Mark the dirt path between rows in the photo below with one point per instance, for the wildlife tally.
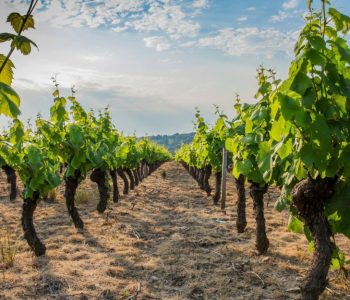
(163, 241)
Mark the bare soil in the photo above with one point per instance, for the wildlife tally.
(165, 240)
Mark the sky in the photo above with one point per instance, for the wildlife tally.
(153, 61)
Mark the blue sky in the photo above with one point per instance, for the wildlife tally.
(153, 61)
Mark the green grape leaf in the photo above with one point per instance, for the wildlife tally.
(231, 145)
(309, 98)
(6, 75)
(295, 224)
(344, 53)
(9, 101)
(78, 160)
(76, 137)
(341, 102)
(285, 148)
(290, 104)
(4, 37)
(338, 209)
(17, 132)
(278, 129)
(36, 182)
(34, 158)
(301, 83)
(58, 112)
(242, 168)
(53, 179)
(17, 20)
(28, 192)
(23, 44)
(341, 21)
(249, 126)
(317, 42)
(307, 155)
(264, 158)
(282, 202)
(338, 259)
(299, 170)
(302, 118)
(315, 57)
(70, 171)
(321, 132)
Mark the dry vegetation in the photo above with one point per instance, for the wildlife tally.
(163, 241)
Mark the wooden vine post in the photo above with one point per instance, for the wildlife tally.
(223, 181)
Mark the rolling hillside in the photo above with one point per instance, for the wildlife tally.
(173, 142)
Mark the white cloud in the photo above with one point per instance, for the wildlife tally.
(251, 41)
(188, 44)
(242, 19)
(282, 15)
(251, 8)
(170, 19)
(120, 29)
(200, 3)
(166, 16)
(290, 4)
(289, 10)
(157, 42)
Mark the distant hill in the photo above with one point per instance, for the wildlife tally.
(173, 142)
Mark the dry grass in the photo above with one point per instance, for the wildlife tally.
(8, 248)
(53, 194)
(166, 238)
(85, 195)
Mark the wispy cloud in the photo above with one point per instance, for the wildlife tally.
(170, 17)
(242, 19)
(289, 10)
(200, 3)
(167, 18)
(281, 15)
(251, 41)
(157, 42)
(290, 4)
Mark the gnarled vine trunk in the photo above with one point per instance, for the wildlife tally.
(136, 177)
(122, 175)
(257, 193)
(12, 181)
(29, 206)
(152, 168)
(241, 204)
(217, 195)
(131, 178)
(72, 184)
(201, 179)
(309, 198)
(197, 175)
(100, 178)
(115, 193)
(139, 172)
(191, 171)
(207, 174)
(145, 170)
